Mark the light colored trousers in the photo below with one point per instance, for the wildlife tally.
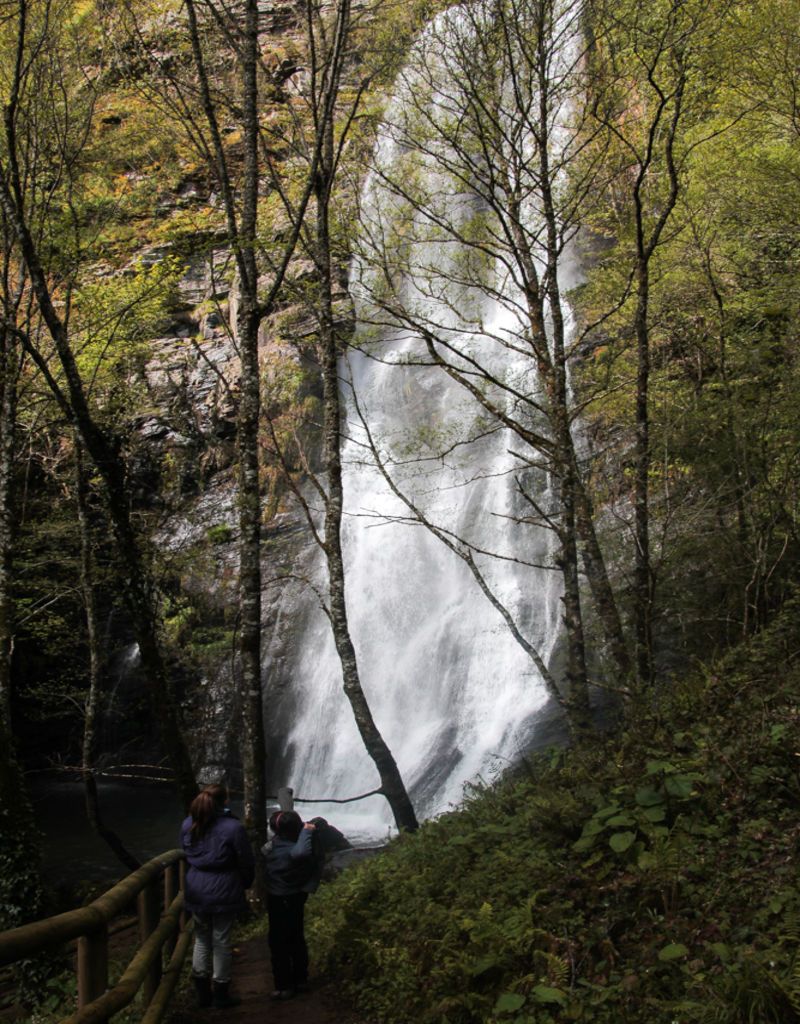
(212, 945)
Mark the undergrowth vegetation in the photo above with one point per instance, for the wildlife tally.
(650, 878)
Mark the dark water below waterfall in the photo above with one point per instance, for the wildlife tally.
(146, 817)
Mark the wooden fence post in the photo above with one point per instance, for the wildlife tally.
(97, 1001)
(92, 965)
(182, 887)
(171, 885)
(149, 903)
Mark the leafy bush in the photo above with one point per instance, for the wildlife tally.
(221, 533)
(650, 878)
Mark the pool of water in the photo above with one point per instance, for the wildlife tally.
(147, 819)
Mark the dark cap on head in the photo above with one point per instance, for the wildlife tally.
(286, 824)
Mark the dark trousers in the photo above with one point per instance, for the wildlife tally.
(287, 941)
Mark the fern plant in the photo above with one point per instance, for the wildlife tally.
(753, 993)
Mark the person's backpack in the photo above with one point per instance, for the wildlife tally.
(332, 839)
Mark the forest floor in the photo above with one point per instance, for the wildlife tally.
(252, 983)
(649, 876)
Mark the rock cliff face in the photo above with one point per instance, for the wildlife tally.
(190, 428)
(193, 368)
(186, 446)
(183, 444)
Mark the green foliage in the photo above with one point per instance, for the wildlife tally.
(51, 662)
(650, 878)
(21, 894)
(114, 321)
(220, 534)
(197, 633)
(20, 891)
(724, 314)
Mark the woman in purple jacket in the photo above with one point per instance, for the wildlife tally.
(219, 869)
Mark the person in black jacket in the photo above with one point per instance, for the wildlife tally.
(292, 871)
(220, 868)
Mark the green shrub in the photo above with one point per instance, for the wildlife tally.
(647, 879)
(221, 533)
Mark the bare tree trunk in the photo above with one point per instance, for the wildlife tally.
(248, 323)
(20, 884)
(392, 785)
(662, 48)
(137, 587)
(10, 776)
(646, 245)
(565, 461)
(596, 572)
(92, 800)
(643, 576)
(253, 747)
(7, 422)
(578, 710)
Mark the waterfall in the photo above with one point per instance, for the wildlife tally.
(454, 695)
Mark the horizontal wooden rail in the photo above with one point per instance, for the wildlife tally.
(118, 997)
(28, 939)
(159, 935)
(158, 1006)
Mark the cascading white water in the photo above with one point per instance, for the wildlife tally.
(452, 692)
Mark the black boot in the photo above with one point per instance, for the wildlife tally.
(222, 998)
(202, 986)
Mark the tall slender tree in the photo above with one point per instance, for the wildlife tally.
(241, 211)
(327, 48)
(324, 89)
(47, 96)
(646, 64)
(484, 159)
(20, 889)
(93, 702)
(331, 119)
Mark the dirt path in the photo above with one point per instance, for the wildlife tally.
(252, 983)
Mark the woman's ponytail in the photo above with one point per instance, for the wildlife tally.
(205, 807)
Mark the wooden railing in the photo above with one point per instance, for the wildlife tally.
(155, 885)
